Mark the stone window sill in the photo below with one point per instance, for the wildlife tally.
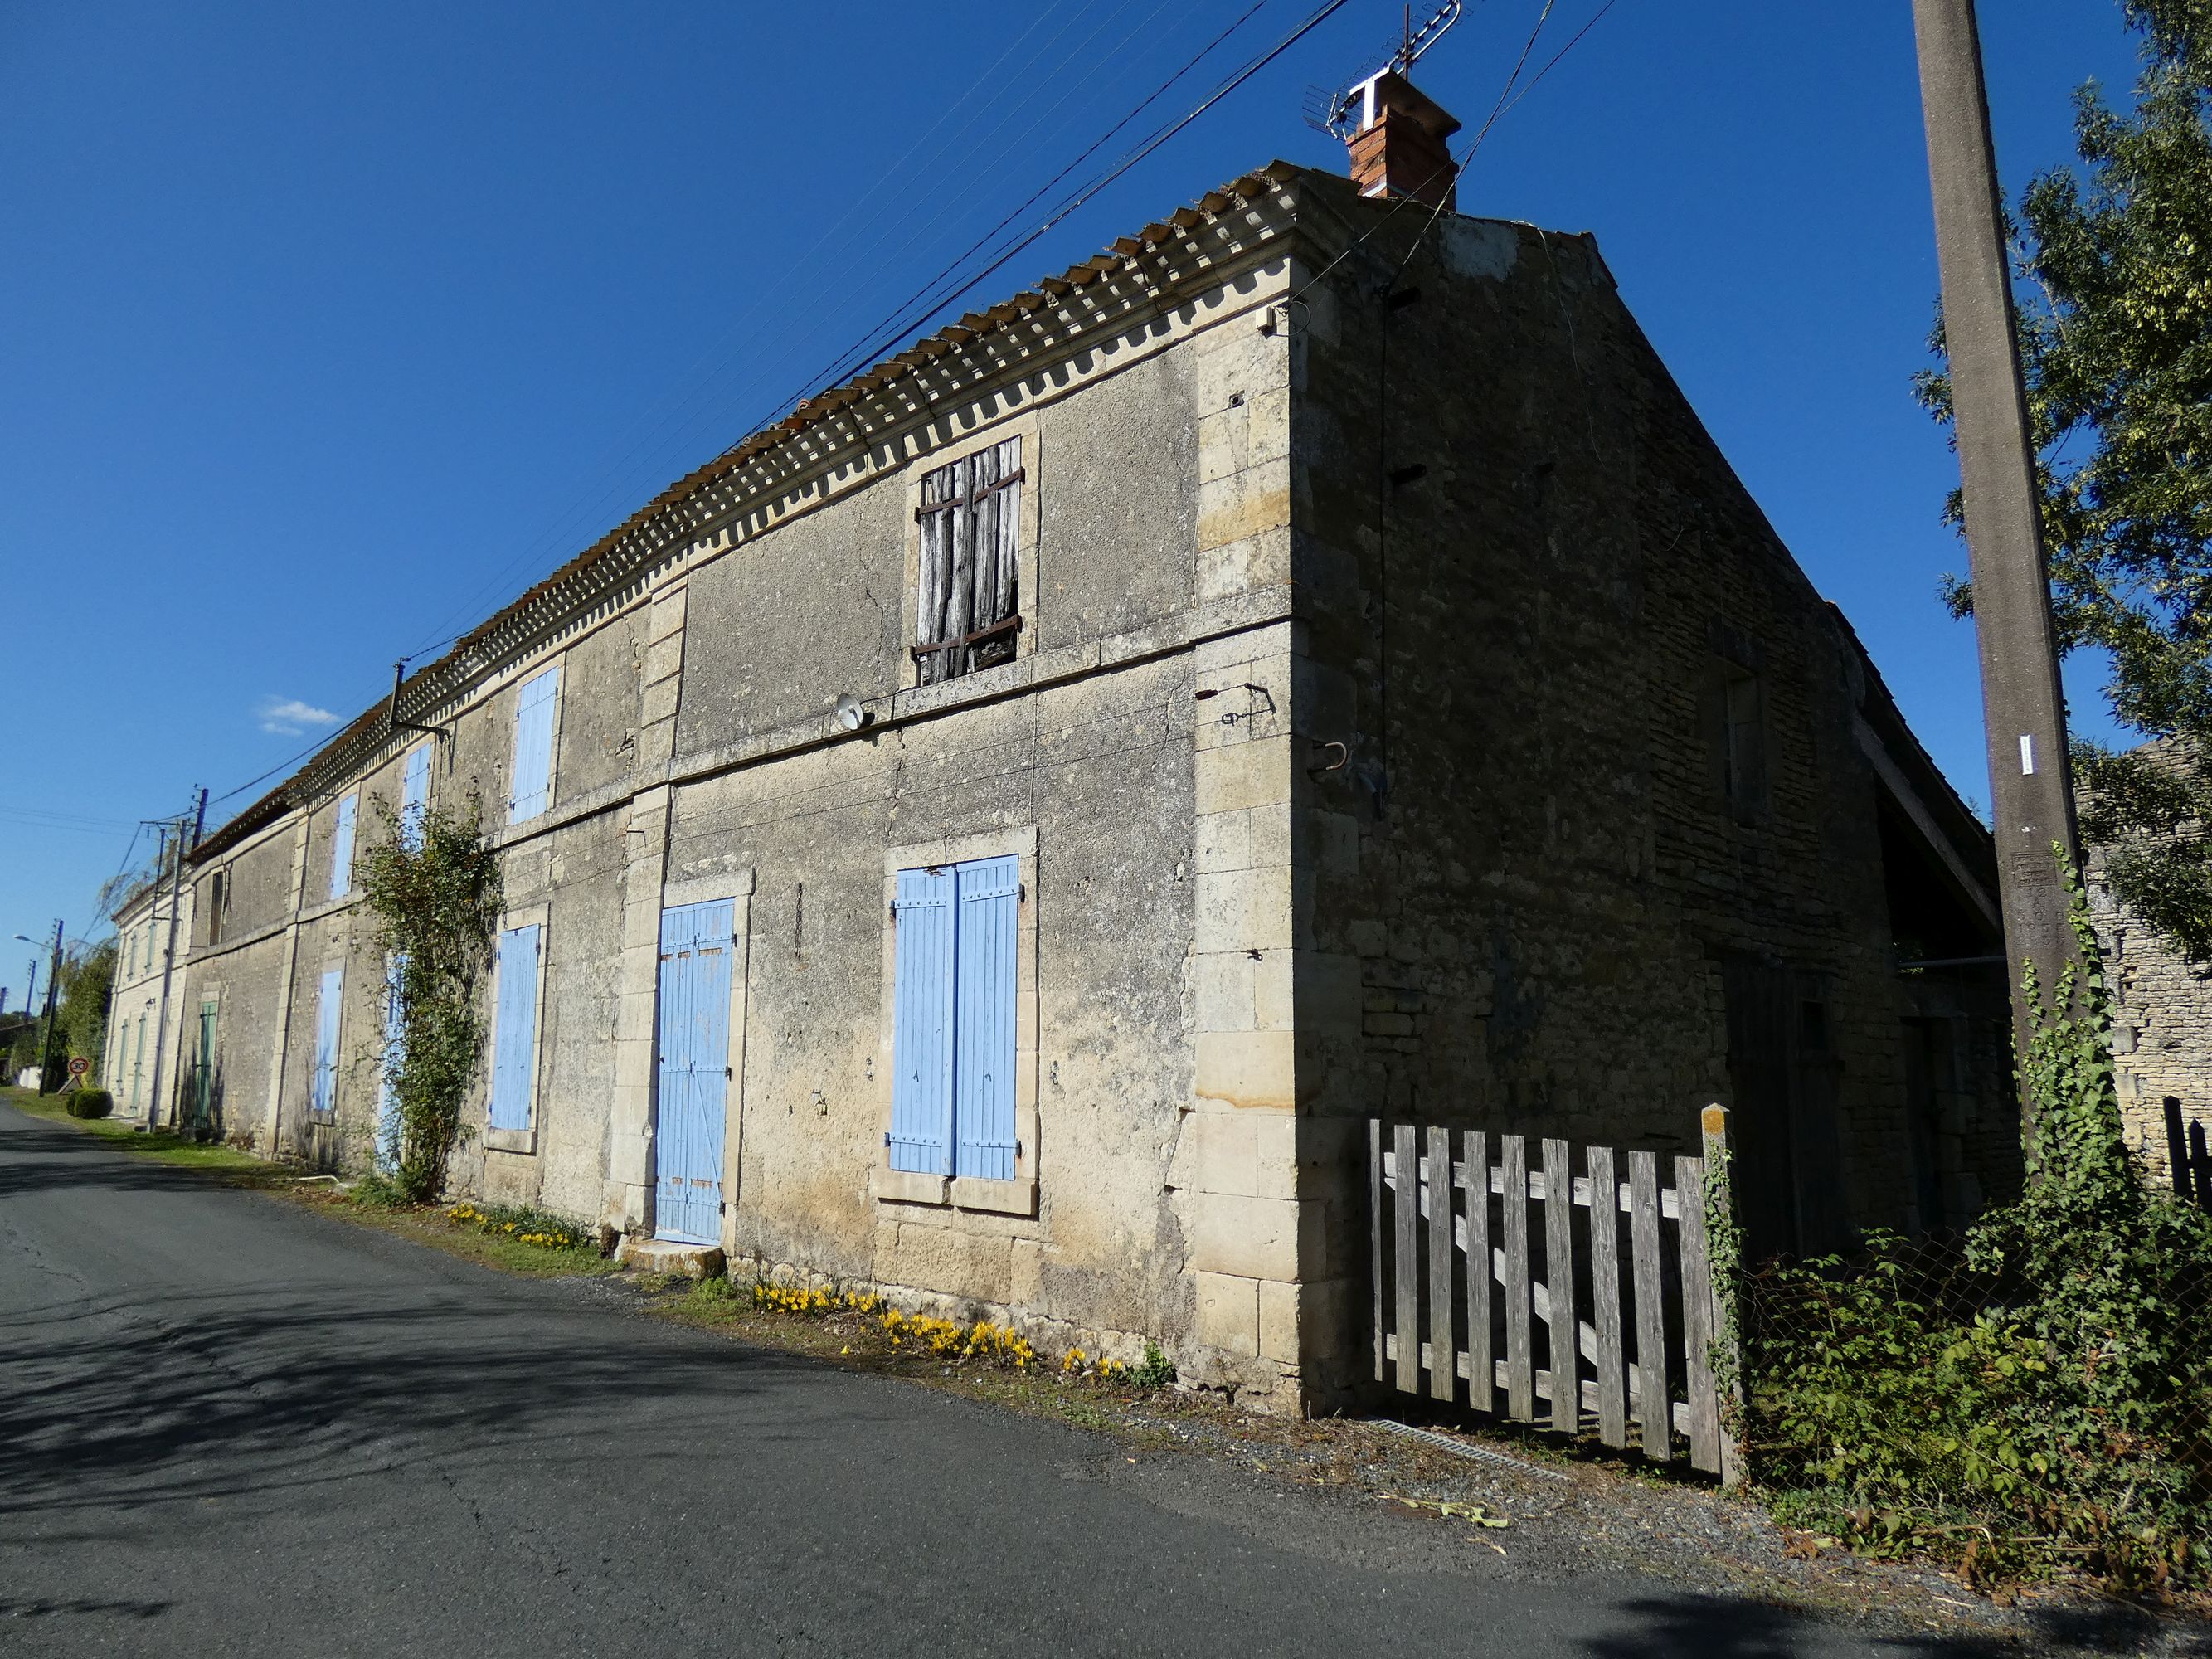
(1017, 1197)
(511, 1140)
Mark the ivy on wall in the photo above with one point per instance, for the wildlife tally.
(434, 886)
(2039, 1400)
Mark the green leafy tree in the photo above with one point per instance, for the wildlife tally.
(2115, 262)
(437, 894)
(22, 1046)
(81, 1016)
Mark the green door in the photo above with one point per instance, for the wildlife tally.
(203, 1082)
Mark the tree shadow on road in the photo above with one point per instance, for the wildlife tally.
(103, 1406)
(1703, 1628)
(43, 1157)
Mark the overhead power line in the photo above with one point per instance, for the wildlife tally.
(934, 296)
(862, 352)
(738, 333)
(855, 357)
(896, 327)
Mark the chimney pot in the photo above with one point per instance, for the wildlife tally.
(1401, 149)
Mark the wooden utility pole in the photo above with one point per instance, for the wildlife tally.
(173, 850)
(46, 1084)
(2031, 780)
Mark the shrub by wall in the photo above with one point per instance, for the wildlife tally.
(2035, 1395)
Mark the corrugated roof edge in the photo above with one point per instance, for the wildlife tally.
(1120, 254)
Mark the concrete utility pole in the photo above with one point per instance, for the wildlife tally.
(2031, 778)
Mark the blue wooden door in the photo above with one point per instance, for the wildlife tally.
(697, 943)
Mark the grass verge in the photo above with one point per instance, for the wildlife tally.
(159, 1146)
(1515, 1499)
(490, 1235)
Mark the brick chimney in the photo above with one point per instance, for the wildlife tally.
(1400, 146)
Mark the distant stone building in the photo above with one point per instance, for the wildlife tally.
(2162, 1006)
(140, 1064)
(996, 834)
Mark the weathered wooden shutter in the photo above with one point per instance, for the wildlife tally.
(323, 1097)
(970, 516)
(514, 1032)
(534, 708)
(984, 1018)
(922, 1031)
(995, 485)
(414, 795)
(342, 847)
(933, 621)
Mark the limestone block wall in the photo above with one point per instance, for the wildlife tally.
(1240, 1199)
(141, 1044)
(246, 975)
(2161, 1028)
(1523, 566)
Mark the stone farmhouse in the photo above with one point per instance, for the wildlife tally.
(996, 834)
(146, 1012)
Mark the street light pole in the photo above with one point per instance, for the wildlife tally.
(2024, 710)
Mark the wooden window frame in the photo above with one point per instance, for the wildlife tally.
(1020, 627)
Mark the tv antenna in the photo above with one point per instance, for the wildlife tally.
(1343, 111)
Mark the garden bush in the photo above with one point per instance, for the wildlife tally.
(90, 1103)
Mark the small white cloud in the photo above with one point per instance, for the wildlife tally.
(289, 717)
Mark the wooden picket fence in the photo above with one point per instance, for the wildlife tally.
(1620, 1341)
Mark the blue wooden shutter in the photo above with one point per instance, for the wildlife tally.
(514, 1034)
(921, 1032)
(534, 745)
(984, 1005)
(324, 1096)
(388, 1137)
(342, 847)
(414, 795)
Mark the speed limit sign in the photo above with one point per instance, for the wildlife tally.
(79, 1065)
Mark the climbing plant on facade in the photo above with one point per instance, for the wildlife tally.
(433, 883)
(2046, 1399)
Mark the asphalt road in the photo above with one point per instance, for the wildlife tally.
(228, 1425)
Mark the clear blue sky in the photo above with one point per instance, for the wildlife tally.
(325, 330)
